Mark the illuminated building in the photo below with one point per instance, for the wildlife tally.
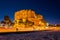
(26, 20)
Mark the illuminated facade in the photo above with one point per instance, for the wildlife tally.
(28, 18)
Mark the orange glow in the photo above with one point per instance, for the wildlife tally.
(27, 20)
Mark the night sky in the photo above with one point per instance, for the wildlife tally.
(50, 9)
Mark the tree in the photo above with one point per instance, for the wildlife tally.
(7, 19)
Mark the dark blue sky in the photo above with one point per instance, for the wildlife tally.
(50, 9)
